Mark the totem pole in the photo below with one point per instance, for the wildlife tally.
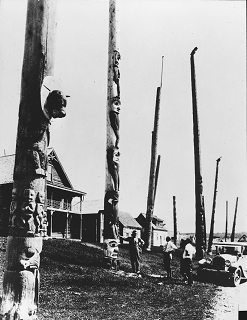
(234, 221)
(24, 244)
(151, 186)
(200, 212)
(112, 143)
(211, 234)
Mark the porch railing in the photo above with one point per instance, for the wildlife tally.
(61, 205)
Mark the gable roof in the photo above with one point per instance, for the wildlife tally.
(54, 160)
(7, 164)
(128, 221)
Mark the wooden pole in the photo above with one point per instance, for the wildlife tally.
(200, 214)
(156, 176)
(226, 220)
(234, 221)
(151, 187)
(211, 234)
(24, 244)
(175, 219)
(112, 141)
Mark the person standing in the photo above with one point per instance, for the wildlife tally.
(189, 251)
(168, 248)
(135, 247)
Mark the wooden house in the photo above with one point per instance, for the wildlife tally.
(159, 231)
(63, 204)
(93, 222)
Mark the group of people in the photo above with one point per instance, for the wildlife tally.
(187, 250)
(186, 254)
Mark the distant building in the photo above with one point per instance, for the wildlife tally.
(63, 205)
(93, 222)
(159, 231)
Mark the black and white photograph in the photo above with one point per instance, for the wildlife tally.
(123, 190)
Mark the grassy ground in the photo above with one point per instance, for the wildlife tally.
(74, 285)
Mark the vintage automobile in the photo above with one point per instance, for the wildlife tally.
(229, 264)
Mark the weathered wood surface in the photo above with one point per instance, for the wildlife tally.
(27, 210)
(112, 182)
(200, 212)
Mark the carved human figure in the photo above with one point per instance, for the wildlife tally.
(114, 118)
(116, 72)
(113, 155)
(27, 211)
(39, 212)
(13, 208)
(45, 225)
(111, 214)
(35, 137)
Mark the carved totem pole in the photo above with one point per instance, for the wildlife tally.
(112, 144)
(200, 212)
(27, 216)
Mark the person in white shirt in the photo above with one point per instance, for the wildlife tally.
(188, 253)
(168, 248)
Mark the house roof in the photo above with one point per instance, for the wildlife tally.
(142, 219)
(128, 221)
(7, 164)
(94, 206)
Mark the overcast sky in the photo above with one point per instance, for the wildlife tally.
(147, 31)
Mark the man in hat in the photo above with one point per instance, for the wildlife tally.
(135, 244)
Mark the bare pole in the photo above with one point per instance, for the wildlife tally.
(200, 213)
(226, 220)
(234, 221)
(156, 176)
(27, 209)
(113, 105)
(175, 220)
(211, 234)
(151, 187)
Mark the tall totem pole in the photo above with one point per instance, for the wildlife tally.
(200, 212)
(112, 142)
(27, 212)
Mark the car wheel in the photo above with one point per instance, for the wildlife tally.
(236, 279)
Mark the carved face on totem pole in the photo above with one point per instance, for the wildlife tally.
(53, 100)
(110, 248)
(116, 58)
(116, 104)
(55, 104)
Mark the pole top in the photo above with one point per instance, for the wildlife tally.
(218, 160)
(194, 51)
(161, 71)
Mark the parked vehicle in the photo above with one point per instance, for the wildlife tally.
(229, 263)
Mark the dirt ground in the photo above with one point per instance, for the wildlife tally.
(228, 302)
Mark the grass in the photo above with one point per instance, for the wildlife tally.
(74, 285)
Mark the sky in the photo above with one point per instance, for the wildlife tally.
(147, 30)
